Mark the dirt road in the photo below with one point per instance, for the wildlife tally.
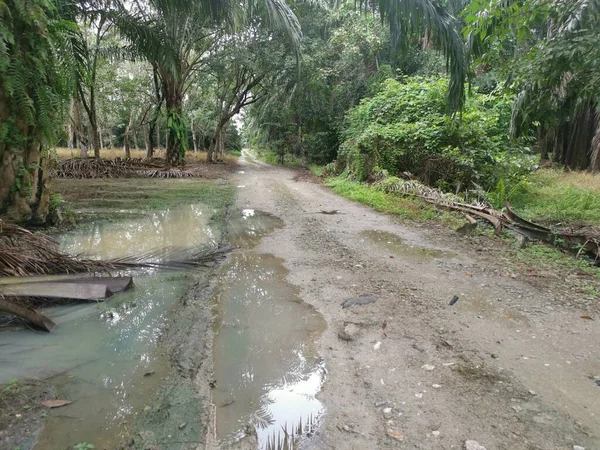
(508, 365)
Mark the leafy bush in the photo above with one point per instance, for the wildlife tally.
(405, 128)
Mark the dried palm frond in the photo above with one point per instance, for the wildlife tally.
(24, 253)
(85, 168)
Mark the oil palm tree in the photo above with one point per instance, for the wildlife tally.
(174, 36)
(33, 84)
(408, 18)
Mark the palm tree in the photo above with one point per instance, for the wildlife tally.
(33, 85)
(174, 36)
(408, 18)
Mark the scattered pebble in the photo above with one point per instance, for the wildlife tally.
(419, 395)
(436, 386)
(377, 345)
(387, 413)
(578, 447)
(436, 433)
(182, 425)
(395, 434)
(382, 403)
(532, 392)
(473, 445)
(428, 367)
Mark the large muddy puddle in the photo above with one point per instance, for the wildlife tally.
(104, 356)
(398, 246)
(266, 366)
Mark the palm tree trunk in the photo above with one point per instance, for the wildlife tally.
(176, 129)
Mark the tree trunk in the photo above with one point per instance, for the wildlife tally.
(158, 133)
(95, 137)
(215, 142)
(24, 183)
(194, 135)
(135, 139)
(146, 135)
(73, 125)
(176, 129)
(101, 140)
(126, 144)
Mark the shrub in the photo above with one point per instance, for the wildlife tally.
(406, 128)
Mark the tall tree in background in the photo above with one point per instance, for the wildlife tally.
(549, 54)
(174, 36)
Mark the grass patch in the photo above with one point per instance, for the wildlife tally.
(317, 170)
(104, 198)
(404, 207)
(271, 157)
(552, 196)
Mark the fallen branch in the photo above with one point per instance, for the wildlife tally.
(27, 313)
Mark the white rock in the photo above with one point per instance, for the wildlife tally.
(428, 367)
(419, 395)
(436, 433)
(473, 445)
(387, 413)
(436, 386)
(377, 345)
(578, 447)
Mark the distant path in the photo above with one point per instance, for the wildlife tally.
(507, 365)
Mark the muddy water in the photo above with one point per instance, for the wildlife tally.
(103, 357)
(399, 247)
(266, 365)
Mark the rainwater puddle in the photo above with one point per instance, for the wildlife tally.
(399, 247)
(266, 364)
(103, 356)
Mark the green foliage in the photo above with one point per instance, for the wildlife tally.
(555, 197)
(33, 77)
(548, 52)
(405, 128)
(407, 208)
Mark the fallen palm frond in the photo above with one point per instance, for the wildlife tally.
(90, 168)
(581, 242)
(23, 254)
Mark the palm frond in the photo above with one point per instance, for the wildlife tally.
(408, 18)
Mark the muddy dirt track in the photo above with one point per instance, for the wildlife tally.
(508, 365)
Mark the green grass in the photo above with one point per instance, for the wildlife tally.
(552, 196)
(271, 157)
(389, 203)
(316, 170)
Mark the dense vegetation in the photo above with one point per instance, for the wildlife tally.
(464, 96)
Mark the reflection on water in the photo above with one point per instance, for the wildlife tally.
(398, 246)
(97, 357)
(182, 227)
(246, 229)
(266, 365)
(102, 356)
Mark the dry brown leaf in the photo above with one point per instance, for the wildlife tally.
(55, 403)
(587, 317)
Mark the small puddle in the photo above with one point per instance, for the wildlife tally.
(398, 246)
(266, 364)
(103, 356)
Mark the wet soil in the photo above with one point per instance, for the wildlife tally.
(509, 365)
(263, 340)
